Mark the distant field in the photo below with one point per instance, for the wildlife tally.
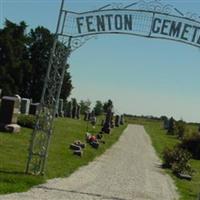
(188, 189)
(61, 161)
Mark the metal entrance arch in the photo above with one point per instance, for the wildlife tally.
(141, 18)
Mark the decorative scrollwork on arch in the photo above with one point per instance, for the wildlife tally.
(193, 16)
(155, 6)
(80, 41)
(117, 6)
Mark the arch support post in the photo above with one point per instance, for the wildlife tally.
(42, 132)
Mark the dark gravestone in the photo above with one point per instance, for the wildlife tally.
(117, 120)
(122, 120)
(34, 107)
(107, 125)
(112, 123)
(78, 111)
(0, 97)
(25, 106)
(9, 112)
(60, 108)
(89, 116)
(65, 104)
(69, 110)
(86, 116)
(74, 111)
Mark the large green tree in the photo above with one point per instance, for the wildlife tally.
(108, 106)
(98, 108)
(24, 60)
(14, 58)
(85, 106)
(40, 49)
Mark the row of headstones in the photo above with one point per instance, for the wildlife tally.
(68, 109)
(88, 116)
(111, 122)
(12, 106)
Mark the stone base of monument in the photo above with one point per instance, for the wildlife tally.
(12, 128)
(185, 176)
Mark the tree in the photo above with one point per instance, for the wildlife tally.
(180, 129)
(85, 106)
(24, 60)
(171, 126)
(108, 105)
(40, 49)
(67, 85)
(14, 58)
(98, 109)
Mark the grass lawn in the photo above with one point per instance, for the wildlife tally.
(188, 189)
(61, 161)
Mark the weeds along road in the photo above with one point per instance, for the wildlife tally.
(130, 170)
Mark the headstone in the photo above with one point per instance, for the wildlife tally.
(93, 121)
(86, 116)
(65, 105)
(74, 111)
(25, 106)
(20, 99)
(112, 123)
(34, 107)
(60, 108)
(117, 120)
(89, 116)
(69, 110)
(122, 120)
(0, 96)
(107, 125)
(9, 110)
(78, 112)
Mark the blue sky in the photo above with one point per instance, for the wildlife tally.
(142, 76)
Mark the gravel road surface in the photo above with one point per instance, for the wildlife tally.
(130, 170)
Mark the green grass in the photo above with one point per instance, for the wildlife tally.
(61, 161)
(188, 189)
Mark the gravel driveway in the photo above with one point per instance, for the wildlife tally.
(128, 171)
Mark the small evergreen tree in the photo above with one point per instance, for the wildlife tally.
(98, 109)
(171, 126)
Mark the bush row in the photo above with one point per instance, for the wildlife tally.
(177, 158)
(27, 121)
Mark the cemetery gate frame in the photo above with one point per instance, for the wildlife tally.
(145, 19)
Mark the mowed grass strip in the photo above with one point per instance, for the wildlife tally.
(61, 161)
(188, 190)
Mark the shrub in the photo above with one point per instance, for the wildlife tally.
(192, 144)
(177, 160)
(180, 129)
(168, 157)
(27, 121)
